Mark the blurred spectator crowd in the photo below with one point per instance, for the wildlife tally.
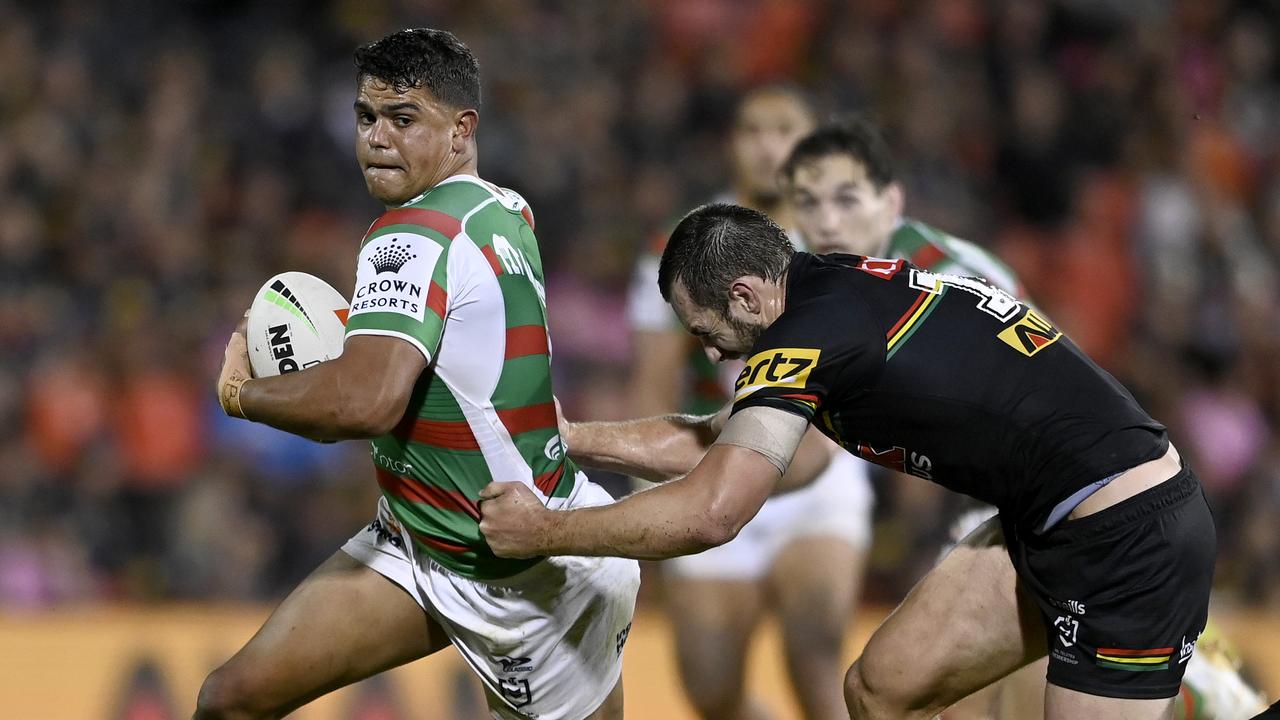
(158, 161)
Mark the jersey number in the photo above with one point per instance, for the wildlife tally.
(991, 299)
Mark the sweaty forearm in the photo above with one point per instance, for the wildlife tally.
(315, 403)
(656, 448)
(676, 518)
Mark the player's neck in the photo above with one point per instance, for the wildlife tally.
(461, 166)
(775, 300)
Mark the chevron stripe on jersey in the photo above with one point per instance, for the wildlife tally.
(457, 273)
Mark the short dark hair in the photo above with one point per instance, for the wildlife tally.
(854, 136)
(425, 58)
(718, 243)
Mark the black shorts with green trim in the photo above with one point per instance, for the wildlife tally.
(1124, 592)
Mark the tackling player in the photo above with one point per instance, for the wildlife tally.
(845, 198)
(804, 554)
(953, 380)
(446, 369)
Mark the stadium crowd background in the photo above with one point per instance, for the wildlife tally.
(158, 161)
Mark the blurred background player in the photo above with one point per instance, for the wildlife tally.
(803, 556)
(845, 197)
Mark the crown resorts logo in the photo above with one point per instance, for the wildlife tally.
(391, 257)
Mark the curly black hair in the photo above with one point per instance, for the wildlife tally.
(425, 58)
(854, 136)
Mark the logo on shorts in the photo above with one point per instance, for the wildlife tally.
(621, 638)
(516, 664)
(1067, 628)
(1075, 607)
(384, 534)
(515, 691)
(1188, 649)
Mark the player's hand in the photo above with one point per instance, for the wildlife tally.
(563, 426)
(514, 521)
(235, 370)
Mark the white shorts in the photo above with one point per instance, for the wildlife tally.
(547, 642)
(838, 504)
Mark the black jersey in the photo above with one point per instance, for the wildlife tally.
(947, 378)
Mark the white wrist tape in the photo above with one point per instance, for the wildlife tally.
(771, 432)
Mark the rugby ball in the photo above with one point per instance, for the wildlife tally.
(296, 321)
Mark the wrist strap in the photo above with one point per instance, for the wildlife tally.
(230, 396)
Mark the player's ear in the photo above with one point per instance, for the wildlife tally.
(744, 293)
(895, 199)
(464, 128)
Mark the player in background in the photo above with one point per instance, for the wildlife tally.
(803, 555)
(446, 370)
(845, 198)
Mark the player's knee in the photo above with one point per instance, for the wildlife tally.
(226, 696)
(818, 637)
(713, 695)
(872, 695)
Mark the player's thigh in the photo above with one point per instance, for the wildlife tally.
(713, 621)
(1018, 696)
(1021, 695)
(1063, 704)
(343, 623)
(965, 625)
(814, 583)
(611, 709)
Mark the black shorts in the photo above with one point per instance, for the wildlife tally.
(1124, 592)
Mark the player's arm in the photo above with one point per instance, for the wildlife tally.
(362, 393)
(665, 447)
(653, 448)
(705, 508)
(393, 329)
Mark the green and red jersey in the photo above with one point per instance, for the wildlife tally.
(456, 273)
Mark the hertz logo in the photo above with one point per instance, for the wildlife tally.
(780, 367)
(391, 257)
(1031, 334)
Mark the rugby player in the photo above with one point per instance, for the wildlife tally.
(447, 371)
(803, 556)
(845, 198)
(955, 381)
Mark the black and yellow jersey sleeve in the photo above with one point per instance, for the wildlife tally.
(813, 353)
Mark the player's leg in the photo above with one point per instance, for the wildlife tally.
(815, 582)
(823, 532)
(1061, 704)
(965, 625)
(612, 707)
(343, 623)
(714, 620)
(1021, 695)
